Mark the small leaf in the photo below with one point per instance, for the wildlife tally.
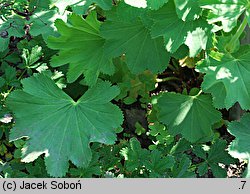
(181, 168)
(159, 164)
(135, 156)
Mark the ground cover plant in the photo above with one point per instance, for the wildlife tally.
(124, 89)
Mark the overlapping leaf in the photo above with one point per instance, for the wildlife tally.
(134, 156)
(240, 147)
(212, 157)
(81, 45)
(227, 78)
(195, 34)
(132, 38)
(82, 6)
(192, 116)
(60, 127)
(42, 22)
(226, 11)
(187, 9)
(9, 28)
(158, 164)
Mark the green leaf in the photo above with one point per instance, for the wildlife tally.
(180, 147)
(31, 57)
(154, 5)
(203, 168)
(132, 86)
(60, 127)
(218, 154)
(81, 45)
(43, 23)
(134, 155)
(226, 12)
(63, 4)
(132, 38)
(12, 27)
(218, 172)
(158, 164)
(10, 73)
(2, 82)
(188, 9)
(240, 147)
(181, 168)
(195, 34)
(92, 169)
(227, 78)
(199, 151)
(83, 6)
(4, 42)
(186, 115)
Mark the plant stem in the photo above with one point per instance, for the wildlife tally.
(237, 35)
(167, 79)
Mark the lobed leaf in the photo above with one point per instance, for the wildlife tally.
(227, 78)
(132, 38)
(59, 127)
(192, 116)
(81, 46)
(195, 34)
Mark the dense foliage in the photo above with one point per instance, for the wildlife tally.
(124, 88)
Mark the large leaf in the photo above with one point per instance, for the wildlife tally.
(226, 12)
(132, 38)
(227, 78)
(192, 116)
(81, 45)
(60, 127)
(195, 34)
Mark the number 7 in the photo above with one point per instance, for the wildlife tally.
(244, 182)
